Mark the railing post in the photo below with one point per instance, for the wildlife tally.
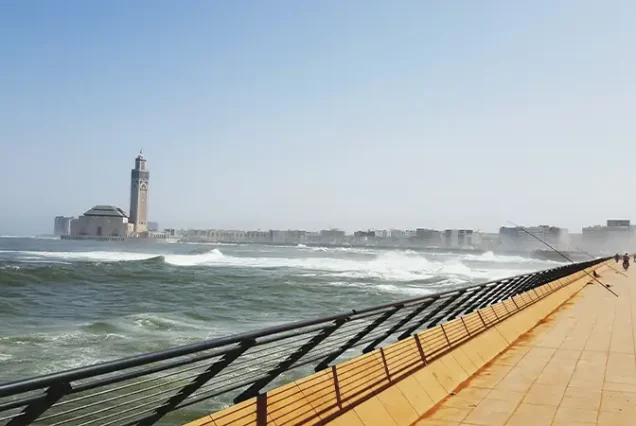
(34, 410)
(517, 288)
(289, 361)
(399, 325)
(452, 305)
(495, 296)
(355, 339)
(530, 283)
(432, 314)
(487, 292)
(459, 306)
(196, 383)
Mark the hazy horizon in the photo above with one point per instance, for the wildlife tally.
(309, 115)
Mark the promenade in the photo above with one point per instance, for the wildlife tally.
(576, 368)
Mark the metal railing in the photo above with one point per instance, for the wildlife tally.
(155, 387)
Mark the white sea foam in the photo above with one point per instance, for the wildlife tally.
(334, 249)
(408, 290)
(383, 265)
(386, 288)
(489, 256)
(95, 256)
(210, 257)
(392, 266)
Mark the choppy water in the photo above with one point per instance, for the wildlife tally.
(65, 304)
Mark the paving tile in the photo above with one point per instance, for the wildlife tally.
(450, 414)
(507, 395)
(430, 422)
(618, 401)
(571, 414)
(609, 418)
(619, 387)
(532, 414)
(593, 403)
(545, 395)
(466, 398)
(485, 416)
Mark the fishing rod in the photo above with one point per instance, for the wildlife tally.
(592, 256)
(563, 255)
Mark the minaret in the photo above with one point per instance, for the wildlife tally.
(139, 194)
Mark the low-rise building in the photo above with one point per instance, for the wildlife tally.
(62, 225)
(102, 221)
(225, 236)
(428, 237)
(518, 239)
(461, 238)
(615, 236)
(286, 237)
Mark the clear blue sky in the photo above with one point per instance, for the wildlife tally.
(307, 114)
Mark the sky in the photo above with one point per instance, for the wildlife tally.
(307, 114)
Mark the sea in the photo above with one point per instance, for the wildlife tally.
(65, 304)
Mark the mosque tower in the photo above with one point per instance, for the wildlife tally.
(139, 195)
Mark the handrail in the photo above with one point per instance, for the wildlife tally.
(143, 389)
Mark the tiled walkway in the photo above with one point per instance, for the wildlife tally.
(576, 368)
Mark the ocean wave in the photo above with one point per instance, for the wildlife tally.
(30, 237)
(385, 288)
(91, 256)
(383, 265)
(489, 256)
(211, 256)
(334, 249)
(396, 266)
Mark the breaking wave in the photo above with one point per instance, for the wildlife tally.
(90, 256)
(209, 257)
(385, 265)
(498, 258)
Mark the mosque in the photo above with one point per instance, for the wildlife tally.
(106, 222)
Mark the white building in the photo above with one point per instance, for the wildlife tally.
(286, 237)
(62, 225)
(518, 239)
(397, 234)
(461, 238)
(102, 221)
(615, 236)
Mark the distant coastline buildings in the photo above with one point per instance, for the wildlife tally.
(616, 235)
(107, 222)
(514, 238)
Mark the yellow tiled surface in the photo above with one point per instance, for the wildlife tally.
(576, 368)
(559, 371)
